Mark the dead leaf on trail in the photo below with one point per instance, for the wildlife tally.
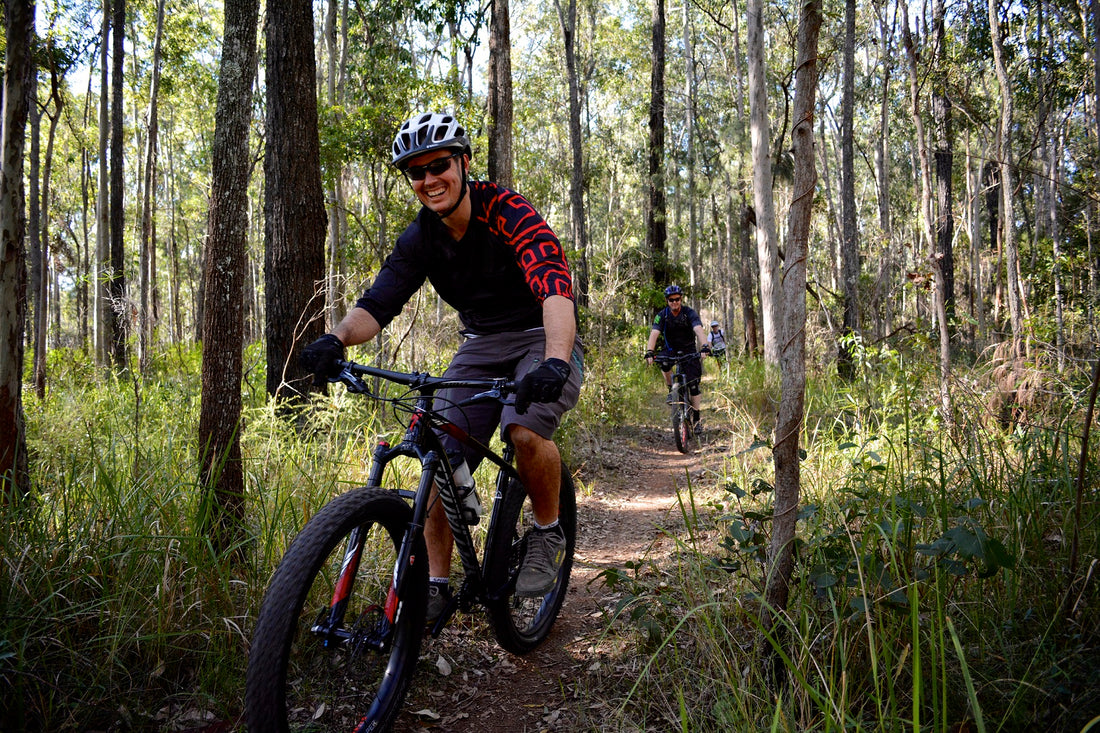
(443, 666)
(427, 714)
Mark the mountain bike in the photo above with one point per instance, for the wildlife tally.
(340, 628)
(683, 424)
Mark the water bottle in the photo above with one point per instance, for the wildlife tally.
(470, 505)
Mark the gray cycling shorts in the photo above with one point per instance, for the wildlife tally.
(509, 355)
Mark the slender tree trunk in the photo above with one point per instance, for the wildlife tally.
(849, 239)
(117, 276)
(689, 128)
(751, 343)
(36, 295)
(793, 354)
(767, 244)
(294, 211)
(944, 156)
(568, 19)
(656, 215)
(1008, 212)
(146, 319)
(18, 76)
(500, 95)
(221, 475)
(104, 312)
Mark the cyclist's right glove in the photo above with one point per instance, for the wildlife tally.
(321, 356)
(649, 354)
(544, 383)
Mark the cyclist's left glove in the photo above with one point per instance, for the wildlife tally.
(320, 358)
(704, 350)
(544, 383)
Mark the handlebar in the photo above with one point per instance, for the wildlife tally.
(351, 375)
(667, 359)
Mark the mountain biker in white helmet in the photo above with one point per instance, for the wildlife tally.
(493, 258)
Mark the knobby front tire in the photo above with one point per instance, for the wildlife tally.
(355, 676)
(521, 624)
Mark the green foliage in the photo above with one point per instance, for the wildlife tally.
(929, 580)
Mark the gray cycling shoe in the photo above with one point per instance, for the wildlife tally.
(439, 595)
(545, 554)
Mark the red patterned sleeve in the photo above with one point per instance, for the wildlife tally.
(538, 252)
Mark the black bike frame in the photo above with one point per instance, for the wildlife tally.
(422, 443)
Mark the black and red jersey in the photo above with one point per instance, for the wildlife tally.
(496, 277)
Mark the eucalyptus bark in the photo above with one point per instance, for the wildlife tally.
(944, 157)
(294, 210)
(499, 82)
(751, 341)
(105, 323)
(1008, 211)
(689, 129)
(849, 239)
(656, 214)
(767, 243)
(568, 19)
(116, 278)
(19, 26)
(36, 283)
(221, 476)
(147, 316)
(793, 353)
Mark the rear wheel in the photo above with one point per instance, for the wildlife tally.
(313, 668)
(520, 623)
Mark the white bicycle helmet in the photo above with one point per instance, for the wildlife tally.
(426, 132)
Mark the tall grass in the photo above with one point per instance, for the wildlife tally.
(931, 588)
(115, 613)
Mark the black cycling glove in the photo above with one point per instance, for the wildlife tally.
(544, 383)
(321, 356)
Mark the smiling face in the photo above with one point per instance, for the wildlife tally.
(674, 303)
(438, 190)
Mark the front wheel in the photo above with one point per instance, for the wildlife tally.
(683, 429)
(520, 623)
(337, 639)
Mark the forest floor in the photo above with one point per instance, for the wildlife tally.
(627, 509)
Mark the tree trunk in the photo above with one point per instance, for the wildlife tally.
(500, 96)
(117, 278)
(1008, 212)
(767, 246)
(689, 163)
(146, 319)
(849, 238)
(751, 343)
(36, 290)
(944, 155)
(568, 19)
(793, 354)
(656, 215)
(105, 323)
(221, 477)
(19, 25)
(294, 211)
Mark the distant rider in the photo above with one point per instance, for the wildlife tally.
(682, 333)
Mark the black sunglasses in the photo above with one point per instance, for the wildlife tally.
(437, 168)
(675, 299)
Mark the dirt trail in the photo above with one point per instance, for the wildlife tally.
(465, 682)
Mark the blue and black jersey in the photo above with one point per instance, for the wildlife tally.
(677, 331)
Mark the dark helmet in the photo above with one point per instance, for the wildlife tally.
(426, 132)
(673, 290)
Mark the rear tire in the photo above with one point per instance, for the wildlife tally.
(521, 624)
(357, 675)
